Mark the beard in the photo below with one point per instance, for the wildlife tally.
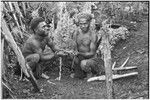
(43, 33)
(85, 29)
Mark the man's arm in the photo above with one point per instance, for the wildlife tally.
(52, 45)
(38, 50)
(92, 52)
(57, 51)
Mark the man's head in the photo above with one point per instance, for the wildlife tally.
(39, 26)
(84, 20)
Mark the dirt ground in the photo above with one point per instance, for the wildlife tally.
(126, 88)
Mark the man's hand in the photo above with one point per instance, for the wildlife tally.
(75, 53)
(72, 52)
(60, 53)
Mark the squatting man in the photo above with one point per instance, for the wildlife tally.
(33, 49)
(87, 64)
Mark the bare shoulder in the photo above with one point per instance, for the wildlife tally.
(31, 41)
(94, 37)
(49, 39)
(76, 33)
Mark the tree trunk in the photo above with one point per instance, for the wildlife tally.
(107, 64)
(2, 57)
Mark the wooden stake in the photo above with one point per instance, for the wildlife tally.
(113, 66)
(107, 64)
(24, 8)
(7, 87)
(102, 78)
(125, 68)
(60, 68)
(3, 67)
(21, 77)
(124, 62)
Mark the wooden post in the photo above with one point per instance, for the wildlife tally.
(2, 57)
(107, 64)
(24, 7)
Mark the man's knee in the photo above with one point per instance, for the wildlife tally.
(32, 60)
(85, 66)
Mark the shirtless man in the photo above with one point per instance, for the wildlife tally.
(35, 45)
(86, 62)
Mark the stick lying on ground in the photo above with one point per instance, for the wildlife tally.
(114, 76)
(125, 68)
(124, 62)
(7, 87)
(60, 69)
(113, 66)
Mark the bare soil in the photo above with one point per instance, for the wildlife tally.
(126, 88)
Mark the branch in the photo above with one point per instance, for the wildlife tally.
(125, 62)
(125, 68)
(102, 78)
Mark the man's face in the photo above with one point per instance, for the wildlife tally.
(42, 29)
(84, 24)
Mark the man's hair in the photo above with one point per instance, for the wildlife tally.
(35, 22)
(87, 16)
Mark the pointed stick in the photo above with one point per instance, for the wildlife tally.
(124, 62)
(24, 8)
(101, 78)
(125, 68)
(7, 87)
(60, 68)
(21, 77)
(113, 66)
(2, 57)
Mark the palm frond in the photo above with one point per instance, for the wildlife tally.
(14, 46)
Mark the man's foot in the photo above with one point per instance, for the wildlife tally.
(72, 75)
(89, 75)
(44, 76)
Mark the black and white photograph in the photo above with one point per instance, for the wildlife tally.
(74, 49)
